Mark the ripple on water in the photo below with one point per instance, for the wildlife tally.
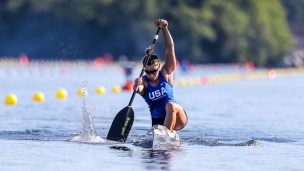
(216, 142)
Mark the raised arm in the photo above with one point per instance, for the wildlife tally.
(170, 61)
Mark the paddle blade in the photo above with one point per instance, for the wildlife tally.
(121, 125)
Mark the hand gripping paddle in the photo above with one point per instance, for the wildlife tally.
(124, 119)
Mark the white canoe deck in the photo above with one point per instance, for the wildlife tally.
(161, 138)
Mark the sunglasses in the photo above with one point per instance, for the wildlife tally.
(151, 72)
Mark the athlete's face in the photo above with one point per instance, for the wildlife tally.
(152, 71)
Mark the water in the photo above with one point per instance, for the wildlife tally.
(242, 125)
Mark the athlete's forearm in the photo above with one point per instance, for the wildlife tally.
(170, 62)
(168, 39)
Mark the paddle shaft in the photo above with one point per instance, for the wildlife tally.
(123, 121)
(145, 64)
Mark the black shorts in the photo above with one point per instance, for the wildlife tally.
(162, 121)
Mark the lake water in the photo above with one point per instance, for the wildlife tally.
(254, 124)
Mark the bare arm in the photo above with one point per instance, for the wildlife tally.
(170, 62)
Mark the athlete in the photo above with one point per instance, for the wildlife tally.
(156, 87)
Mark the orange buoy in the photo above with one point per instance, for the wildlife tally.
(128, 86)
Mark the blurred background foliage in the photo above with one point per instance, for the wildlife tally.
(204, 31)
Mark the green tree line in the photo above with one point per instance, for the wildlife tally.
(204, 31)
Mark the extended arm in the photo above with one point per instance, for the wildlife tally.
(170, 62)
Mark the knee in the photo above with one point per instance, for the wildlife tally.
(170, 106)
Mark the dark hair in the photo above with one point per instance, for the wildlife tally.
(153, 58)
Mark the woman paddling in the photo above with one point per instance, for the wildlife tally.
(156, 87)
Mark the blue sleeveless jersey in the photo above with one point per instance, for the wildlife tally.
(157, 97)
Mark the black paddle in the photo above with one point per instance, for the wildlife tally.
(123, 121)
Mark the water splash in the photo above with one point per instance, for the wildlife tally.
(147, 142)
(88, 133)
(143, 142)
